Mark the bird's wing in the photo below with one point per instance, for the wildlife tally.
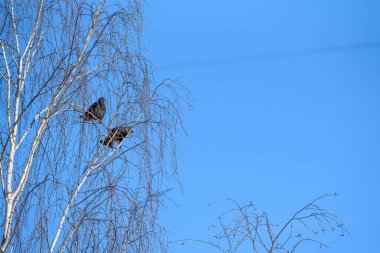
(93, 106)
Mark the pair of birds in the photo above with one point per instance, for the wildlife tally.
(96, 112)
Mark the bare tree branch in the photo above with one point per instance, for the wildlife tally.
(242, 227)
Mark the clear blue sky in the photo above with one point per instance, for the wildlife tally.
(279, 129)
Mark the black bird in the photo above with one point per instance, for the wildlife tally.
(96, 110)
(116, 134)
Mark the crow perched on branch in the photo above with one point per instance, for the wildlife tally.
(116, 134)
(96, 110)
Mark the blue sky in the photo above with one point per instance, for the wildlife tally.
(277, 131)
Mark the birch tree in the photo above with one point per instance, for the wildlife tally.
(62, 191)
